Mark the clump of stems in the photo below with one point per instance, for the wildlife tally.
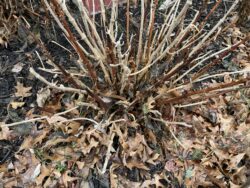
(125, 62)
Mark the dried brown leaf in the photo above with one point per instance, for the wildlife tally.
(16, 105)
(45, 172)
(66, 178)
(22, 91)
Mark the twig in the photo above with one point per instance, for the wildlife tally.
(61, 46)
(54, 86)
(154, 4)
(210, 13)
(72, 39)
(48, 119)
(222, 74)
(167, 123)
(173, 122)
(191, 104)
(206, 90)
(202, 42)
(25, 121)
(218, 59)
(69, 89)
(108, 154)
(139, 52)
(127, 23)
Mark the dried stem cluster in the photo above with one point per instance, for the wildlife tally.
(122, 66)
(137, 74)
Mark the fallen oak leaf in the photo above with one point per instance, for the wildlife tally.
(140, 165)
(149, 105)
(226, 123)
(22, 91)
(27, 143)
(87, 147)
(153, 159)
(217, 182)
(10, 182)
(55, 119)
(5, 132)
(55, 141)
(113, 178)
(39, 138)
(240, 176)
(16, 105)
(235, 160)
(27, 166)
(66, 178)
(44, 172)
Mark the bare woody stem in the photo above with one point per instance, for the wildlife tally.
(74, 43)
(67, 77)
(202, 91)
(218, 59)
(203, 22)
(216, 94)
(140, 44)
(111, 58)
(127, 23)
(210, 13)
(151, 28)
(204, 69)
(78, 89)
